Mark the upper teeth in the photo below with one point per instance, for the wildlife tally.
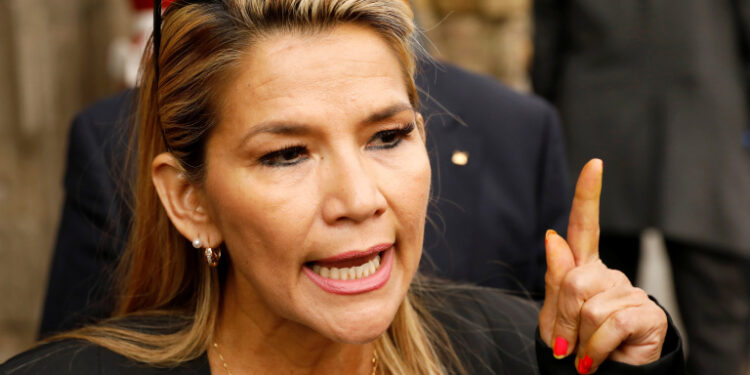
(349, 273)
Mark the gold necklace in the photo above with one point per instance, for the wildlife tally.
(221, 357)
(374, 362)
(226, 367)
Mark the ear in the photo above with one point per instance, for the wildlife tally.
(420, 127)
(183, 201)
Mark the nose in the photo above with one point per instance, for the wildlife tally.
(351, 190)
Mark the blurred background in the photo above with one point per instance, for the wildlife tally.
(53, 61)
(56, 56)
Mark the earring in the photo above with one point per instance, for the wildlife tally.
(197, 243)
(212, 256)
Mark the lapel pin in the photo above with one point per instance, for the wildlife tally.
(460, 157)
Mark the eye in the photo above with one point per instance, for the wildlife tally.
(285, 157)
(390, 138)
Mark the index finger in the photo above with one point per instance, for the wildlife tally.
(583, 225)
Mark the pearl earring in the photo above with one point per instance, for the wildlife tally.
(197, 243)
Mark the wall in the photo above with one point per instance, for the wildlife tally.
(485, 36)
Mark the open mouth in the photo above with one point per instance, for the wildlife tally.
(354, 272)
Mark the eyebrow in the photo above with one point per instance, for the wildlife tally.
(296, 128)
(388, 112)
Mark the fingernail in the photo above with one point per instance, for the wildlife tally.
(584, 365)
(546, 236)
(561, 348)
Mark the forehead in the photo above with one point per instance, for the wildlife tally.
(348, 70)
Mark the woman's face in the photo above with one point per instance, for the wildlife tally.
(317, 179)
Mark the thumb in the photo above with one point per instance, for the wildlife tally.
(560, 261)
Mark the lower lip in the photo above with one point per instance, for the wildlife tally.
(363, 285)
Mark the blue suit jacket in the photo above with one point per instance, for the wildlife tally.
(490, 214)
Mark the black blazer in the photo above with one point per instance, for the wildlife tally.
(491, 213)
(492, 332)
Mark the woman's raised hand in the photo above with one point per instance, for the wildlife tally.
(589, 310)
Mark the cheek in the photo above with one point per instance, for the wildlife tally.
(411, 210)
(410, 194)
(259, 222)
(421, 178)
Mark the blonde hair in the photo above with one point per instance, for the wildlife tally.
(176, 294)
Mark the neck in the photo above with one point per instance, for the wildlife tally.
(252, 340)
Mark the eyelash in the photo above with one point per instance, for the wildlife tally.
(399, 133)
(280, 158)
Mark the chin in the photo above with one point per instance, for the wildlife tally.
(362, 321)
(362, 328)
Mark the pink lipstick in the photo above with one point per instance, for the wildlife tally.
(353, 272)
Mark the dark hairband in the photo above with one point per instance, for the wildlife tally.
(156, 46)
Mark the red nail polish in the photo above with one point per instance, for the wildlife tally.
(561, 347)
(584, 365)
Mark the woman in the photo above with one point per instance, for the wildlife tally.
(282, 139)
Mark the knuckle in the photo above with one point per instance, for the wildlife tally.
(663, 323)
(640, 294)
(591, 313)
(566, 327)
(622, 321)
(566, 323)
(619, 277)
(584, 226)
(661, 315)
(574, 282)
